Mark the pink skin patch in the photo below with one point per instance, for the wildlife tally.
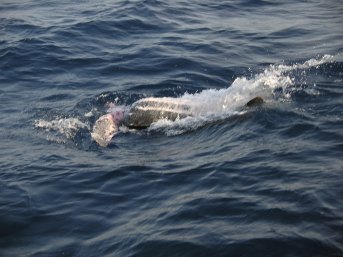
(117, 112)
(117, 116)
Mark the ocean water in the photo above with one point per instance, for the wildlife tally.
(229, 181)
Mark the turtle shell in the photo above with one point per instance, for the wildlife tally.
(148, 110)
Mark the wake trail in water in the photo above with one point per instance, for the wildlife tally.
(212, 104)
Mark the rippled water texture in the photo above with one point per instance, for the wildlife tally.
(229, 181)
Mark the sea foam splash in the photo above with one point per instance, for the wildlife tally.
(228, 100)
(65, 126)
(211, 105)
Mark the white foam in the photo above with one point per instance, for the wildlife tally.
(65, 126)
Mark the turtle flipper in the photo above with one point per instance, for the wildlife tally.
(104, 129)
(256, 101)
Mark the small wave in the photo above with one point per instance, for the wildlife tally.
(314, 62)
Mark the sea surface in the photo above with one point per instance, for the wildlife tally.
(229, 181)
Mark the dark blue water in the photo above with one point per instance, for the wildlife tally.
(260, 182)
